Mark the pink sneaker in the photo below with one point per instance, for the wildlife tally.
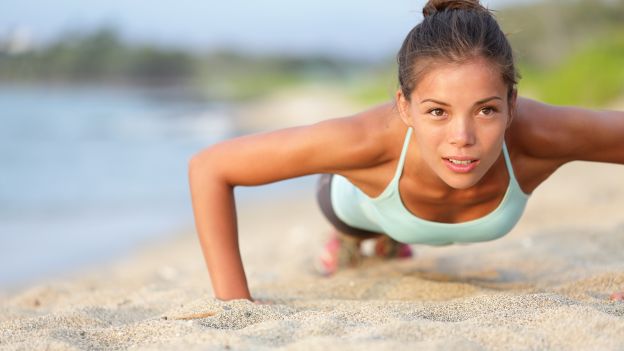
(388, 248)
(338, 253)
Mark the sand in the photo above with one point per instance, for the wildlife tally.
(546, 285)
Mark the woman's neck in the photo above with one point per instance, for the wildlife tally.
(434, 189)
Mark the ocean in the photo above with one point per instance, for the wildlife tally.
(88, 174)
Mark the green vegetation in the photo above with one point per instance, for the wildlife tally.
(103, 58)
(568, 52)
(99, 57)
(373, 85)
(230, 75)
(592, 76)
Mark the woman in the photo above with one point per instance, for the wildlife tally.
(453, 159)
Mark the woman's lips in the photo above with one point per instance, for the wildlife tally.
(461, 158)
(464, 164)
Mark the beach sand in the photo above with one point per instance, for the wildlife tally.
(546, 285)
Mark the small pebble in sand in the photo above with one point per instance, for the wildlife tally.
(195, 316)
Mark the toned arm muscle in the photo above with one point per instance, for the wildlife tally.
(325, 147)
(567, 134)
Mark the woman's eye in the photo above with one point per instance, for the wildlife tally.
(437, 112)
(488, 111)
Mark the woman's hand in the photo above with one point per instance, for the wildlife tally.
(617, 296)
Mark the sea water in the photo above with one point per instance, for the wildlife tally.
(88, 174)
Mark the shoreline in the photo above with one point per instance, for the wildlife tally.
(66, 268)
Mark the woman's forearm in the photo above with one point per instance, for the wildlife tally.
(215, 221)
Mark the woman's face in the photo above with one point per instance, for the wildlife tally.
(459, 113)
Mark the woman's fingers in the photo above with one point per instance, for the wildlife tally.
(617, 296)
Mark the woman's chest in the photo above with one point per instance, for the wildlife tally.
(451, 207)
(428, 203)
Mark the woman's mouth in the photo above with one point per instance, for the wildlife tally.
(461, 164)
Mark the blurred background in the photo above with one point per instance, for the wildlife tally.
(103, 103)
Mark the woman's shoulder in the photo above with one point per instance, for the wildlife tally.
(537, 141)
(380, 126)
(378, 133)
(533, 128)
(353, 143)
(381, 120)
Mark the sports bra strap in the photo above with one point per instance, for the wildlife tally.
(512, 176)
(408, 134)
(399, 169)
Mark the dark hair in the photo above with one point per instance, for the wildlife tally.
(454, 31)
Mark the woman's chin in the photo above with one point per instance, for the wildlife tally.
(462, 179)
(461, 182)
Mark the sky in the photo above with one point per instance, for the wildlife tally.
(351, 28)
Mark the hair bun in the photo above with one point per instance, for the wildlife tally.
(434, 6)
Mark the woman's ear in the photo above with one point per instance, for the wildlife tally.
(403, 106)
(513, 98)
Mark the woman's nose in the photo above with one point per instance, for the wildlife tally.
(461, 132)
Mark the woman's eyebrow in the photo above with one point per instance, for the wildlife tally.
(476, 103)
(488, 99)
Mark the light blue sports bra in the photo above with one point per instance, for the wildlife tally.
(387, 214)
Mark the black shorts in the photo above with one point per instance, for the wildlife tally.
(323, 196)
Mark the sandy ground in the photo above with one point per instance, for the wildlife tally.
(546, 285)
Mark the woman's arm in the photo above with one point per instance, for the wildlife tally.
(563, 134)
(326, 147)
(215, 221)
